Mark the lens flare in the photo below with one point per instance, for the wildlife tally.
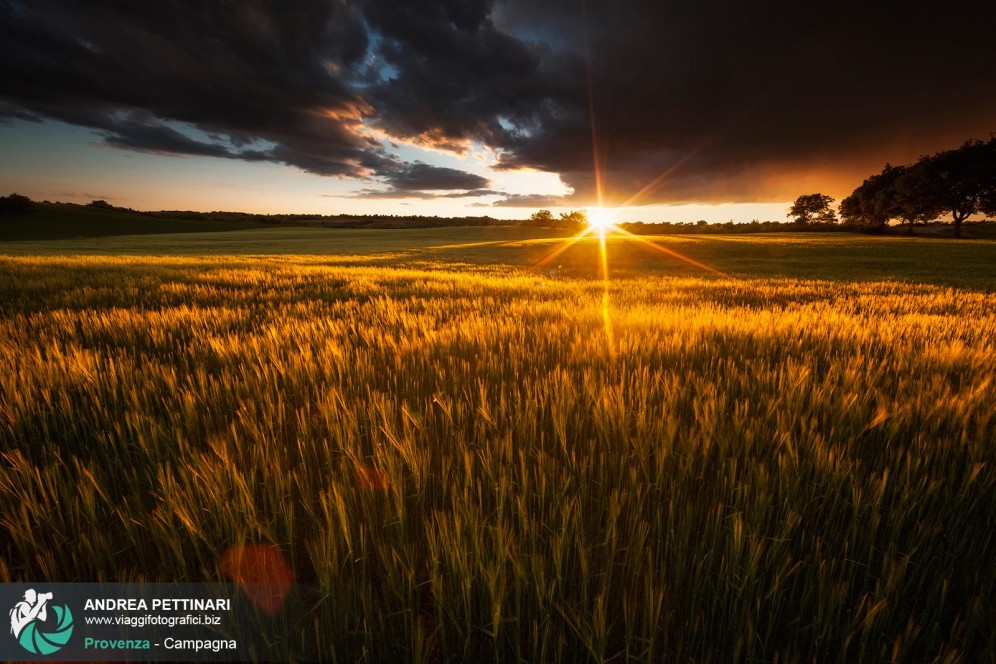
(599, 219)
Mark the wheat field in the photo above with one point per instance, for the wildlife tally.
(467, 460)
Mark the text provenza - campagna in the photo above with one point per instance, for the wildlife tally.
(214, 645)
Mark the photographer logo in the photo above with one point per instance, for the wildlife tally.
(31, 625)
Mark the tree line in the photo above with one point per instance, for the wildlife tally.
(15, 203)
(959, 182)
(572, 220)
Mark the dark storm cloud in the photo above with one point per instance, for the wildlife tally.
(728, 99)
(710, 101)
(421, 180)
(10, 112)
(455, 77)
(149, 135)
(240, 72)
(425, 176)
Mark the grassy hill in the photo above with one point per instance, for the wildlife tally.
(60, 221)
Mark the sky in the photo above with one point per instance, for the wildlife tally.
(709, 109)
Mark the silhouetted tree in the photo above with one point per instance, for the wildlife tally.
(15, 203)
(871, 203)
(100, 203)
(910, 197)
(573, 219)
(813, 207)
(963, 180)
(542, 218)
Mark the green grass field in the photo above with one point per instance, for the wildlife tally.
(469, 454)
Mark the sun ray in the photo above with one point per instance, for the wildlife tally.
(600, 221)
(668, 171)
(604, 253)
(606, 318)
(601, 230)
(561, 248)
(670, 252)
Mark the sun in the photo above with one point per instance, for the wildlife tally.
(599, 219)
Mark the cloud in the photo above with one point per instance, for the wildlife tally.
(531, 201)
(728, 101)
(419, 175)
(456, 77)
(150, 135)
(72, 193)
(10, 112)
(241, 73)
(388, 194)
(425, 181)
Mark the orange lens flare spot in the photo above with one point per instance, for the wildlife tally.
(261, 574)
(370, 477)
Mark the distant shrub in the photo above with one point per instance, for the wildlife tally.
(100, 203)
(15, 203)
